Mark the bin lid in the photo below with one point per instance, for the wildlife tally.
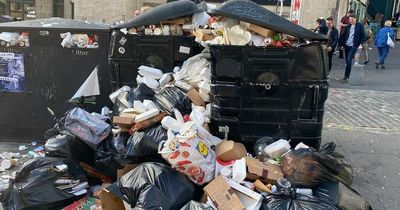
(56, 23)
(171, 10)
(251, 12)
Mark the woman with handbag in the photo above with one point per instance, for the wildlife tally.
(384, 41)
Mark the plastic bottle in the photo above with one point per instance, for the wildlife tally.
(277, 148)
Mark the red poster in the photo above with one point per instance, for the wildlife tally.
(295, 16)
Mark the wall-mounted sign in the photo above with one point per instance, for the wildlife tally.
(12, 72)
(295, 15)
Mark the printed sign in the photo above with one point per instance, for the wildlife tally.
(295, 16)
(12, 72)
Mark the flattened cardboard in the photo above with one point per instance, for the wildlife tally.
(230, 150)
(266, 172)
(250, 199)
(222, 195)
(110, 202)
(125, 170)
(194, 96)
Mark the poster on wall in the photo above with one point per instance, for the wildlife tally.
(295, 16)
(12, 72)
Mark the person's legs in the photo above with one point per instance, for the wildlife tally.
(340, 52)
(385, 52)
(330, 56)
(365, 50)
(349, 60)
(380, 52)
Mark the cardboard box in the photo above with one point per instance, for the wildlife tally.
(123, 121)
(250, 199)
(110, 201)
(127, 114)
(262, 31)
(222, 195)
(126, 169)
(266, 172)
(230, 150)
(149, 122)
(194, 96)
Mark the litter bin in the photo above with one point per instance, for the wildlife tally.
(128, 51)
(262, 91)
(37, 72)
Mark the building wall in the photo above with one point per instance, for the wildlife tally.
(44, 8)
(313, 9)
(109, 11)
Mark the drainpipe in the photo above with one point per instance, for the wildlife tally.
(72, 9)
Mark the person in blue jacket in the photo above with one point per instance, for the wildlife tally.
(351, 39)
(381, 43)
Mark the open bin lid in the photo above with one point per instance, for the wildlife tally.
(251, 12)
(171, 10)
(56, 23)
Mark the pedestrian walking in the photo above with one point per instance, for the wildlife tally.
(344, 22)
(321, 27)
(352, 37)
(381, 42)
(363, 49)
(333, 35)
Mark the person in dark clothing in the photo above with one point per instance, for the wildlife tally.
(333, 34)
(352, 37)
(344, 22)
(321, 27)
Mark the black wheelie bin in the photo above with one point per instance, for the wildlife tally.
(130, 51)
(265, 91)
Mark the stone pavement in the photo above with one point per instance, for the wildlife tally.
(364, 122)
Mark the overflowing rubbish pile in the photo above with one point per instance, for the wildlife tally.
(154, 149)
(11, 39)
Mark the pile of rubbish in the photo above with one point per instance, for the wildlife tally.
(154, 149)
(79, 40)
(11, 39)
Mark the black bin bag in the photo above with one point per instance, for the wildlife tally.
(33, 187)
(171, 98)
(145, 143)
(140, 93)
(342, 196)
(111, 155)
(295, 202)
(309, 168)
(68, 146)
(154, 186)
(193, 205)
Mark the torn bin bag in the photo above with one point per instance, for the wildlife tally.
(193, 205)
(145, 143)
(154, 186)
(33, 187)
(140, 93)
(68, 146)
(111, 155)
(308, 168)
(171, 98)
(86, 127)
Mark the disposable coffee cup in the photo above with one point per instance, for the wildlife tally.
(7, 164)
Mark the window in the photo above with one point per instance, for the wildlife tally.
(58, 8)
(22, 9)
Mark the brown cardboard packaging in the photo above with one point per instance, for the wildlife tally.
(222, 195)
(125, 170)
(130, 115)
(149, 122)
(110, 201)
(194, 96)
(230, 150)
(266, 172)
(262, 31)
(123, 121)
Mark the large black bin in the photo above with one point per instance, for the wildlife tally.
(129, 51)
(52, 75)
(263, 91)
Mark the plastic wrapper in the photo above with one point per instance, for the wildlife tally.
(140, 93)
(67, 146)
(190, 152)
(111, 155)
(155, 186)
(145, 143)
(308, 168)
(86, 127)
(295, 202)
(341, 196)
(193, 205)
(171, 98)
(33, 187)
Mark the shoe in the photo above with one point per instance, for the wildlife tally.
(377, 65)
(366, 62)
(345, 80)
(382, 66)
